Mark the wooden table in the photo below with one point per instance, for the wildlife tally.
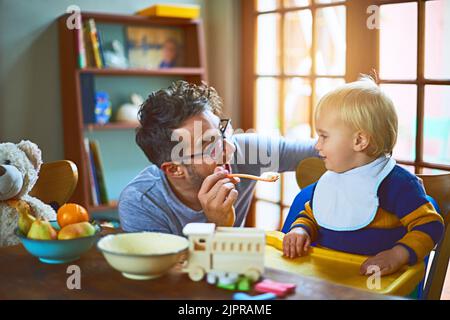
(23, 276)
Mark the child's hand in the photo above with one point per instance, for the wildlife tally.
(388, 261)
(296, 243)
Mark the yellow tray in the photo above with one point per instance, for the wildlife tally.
(171, 11)
(339, 267)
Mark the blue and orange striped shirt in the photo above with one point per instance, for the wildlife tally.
(404, 217)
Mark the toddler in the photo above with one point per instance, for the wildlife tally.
(365, 203)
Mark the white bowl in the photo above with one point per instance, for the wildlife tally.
(144, 255)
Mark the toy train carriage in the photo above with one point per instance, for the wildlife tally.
(224, 250)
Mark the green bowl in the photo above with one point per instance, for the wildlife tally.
(58, 251)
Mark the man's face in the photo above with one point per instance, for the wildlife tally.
(207, 146)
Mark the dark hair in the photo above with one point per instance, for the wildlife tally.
(166, 110)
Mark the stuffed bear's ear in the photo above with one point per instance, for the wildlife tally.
(32, 151)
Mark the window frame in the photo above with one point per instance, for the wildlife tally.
(358, 40)
(418, 163)
(250, 75)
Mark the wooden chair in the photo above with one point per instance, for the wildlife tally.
(437, 186)
(56, 183)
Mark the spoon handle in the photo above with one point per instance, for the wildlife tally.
(249, 176)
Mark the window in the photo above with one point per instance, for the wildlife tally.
(300, 54)
(413, 44)
(303, 48)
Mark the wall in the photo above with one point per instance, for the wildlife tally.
(223, 33)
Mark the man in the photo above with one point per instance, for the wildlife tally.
(192, 151)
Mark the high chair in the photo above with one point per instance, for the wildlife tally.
(437, 187)
(56, 183)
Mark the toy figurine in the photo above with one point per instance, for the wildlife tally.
(129, 111)
(102, 108)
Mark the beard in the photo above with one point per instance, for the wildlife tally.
(195, 177)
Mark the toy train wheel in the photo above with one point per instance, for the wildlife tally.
(196, 273)
(252, 274)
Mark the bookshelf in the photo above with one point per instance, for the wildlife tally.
(116, 139)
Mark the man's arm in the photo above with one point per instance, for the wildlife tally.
(294, 151)
(258, 153)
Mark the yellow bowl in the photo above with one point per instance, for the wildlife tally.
(144, 255)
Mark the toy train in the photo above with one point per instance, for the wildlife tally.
(224, 251)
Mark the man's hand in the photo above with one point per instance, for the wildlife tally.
(389, 261)
(296, 243)
(217, 196)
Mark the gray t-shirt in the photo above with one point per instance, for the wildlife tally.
(148, 203)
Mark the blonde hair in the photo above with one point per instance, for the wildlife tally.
(363, 106)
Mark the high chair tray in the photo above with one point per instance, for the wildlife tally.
(340, 267)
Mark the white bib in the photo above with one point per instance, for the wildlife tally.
(348, 201)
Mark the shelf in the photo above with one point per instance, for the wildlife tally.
(111, 126)
(137, 20)
(144, 72)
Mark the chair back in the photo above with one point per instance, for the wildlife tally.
(309, 171)
(438, 187)
(56, 183)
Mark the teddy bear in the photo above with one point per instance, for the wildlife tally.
(19, 169)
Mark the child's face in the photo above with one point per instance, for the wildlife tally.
(336, 142)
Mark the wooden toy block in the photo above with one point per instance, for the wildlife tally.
(289, 286)
(244, 284)
(280, 289)
(265, 287)
(228, 278)
(211, 278)
(244, 296)
(231, 286)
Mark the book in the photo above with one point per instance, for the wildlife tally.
(100, 47)
(99, 170)
(94, 43)
(89, 53)
(93, 188)
(87, 97)
(80, 49)
(171, 11)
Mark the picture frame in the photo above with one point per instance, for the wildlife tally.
(155, 48)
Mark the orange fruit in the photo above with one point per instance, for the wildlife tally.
(71, 213)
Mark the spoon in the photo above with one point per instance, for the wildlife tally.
(266, 176)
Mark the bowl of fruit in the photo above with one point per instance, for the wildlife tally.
(60, 241)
